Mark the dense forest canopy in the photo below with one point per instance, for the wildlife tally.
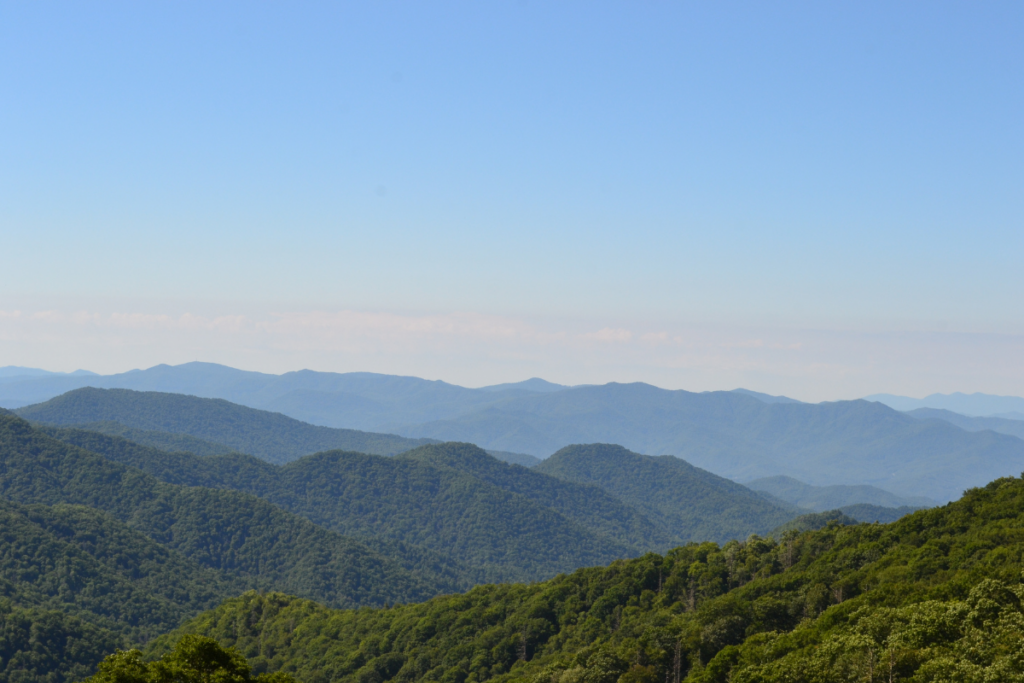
(343, 566)
(935, 596)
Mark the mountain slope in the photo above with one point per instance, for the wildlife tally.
(689, 503)
(821, 498)
(165, 441)
(743, 438)
(933, 597)
(235, 533)
(271, 436)
(85, 563)
(496, 522)
(50, 645)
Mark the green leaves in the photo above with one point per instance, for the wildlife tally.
(195, 659)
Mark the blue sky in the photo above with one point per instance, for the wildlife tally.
(732, 177)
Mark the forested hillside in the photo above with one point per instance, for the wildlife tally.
(689, 503)
(270, 436)
(165, 441)
(936, 596)
(229, 531)
(448, 506)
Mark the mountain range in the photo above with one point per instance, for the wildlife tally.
(108, 542)
(128, 513)
(974, 405)
(737, 434)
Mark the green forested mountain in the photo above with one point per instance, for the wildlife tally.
(88, 564)
(687, 502)
(270, 436)
(52, 646)
(450, 508)
(165, 441)
(821, 498)
(233, 532)
(934, 597)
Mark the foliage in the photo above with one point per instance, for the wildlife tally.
(49, 646)
(165, 441)
(876, 513)
(84, 562)
(240, 536)
(447, 510)
(813, 521)
(195, 659)
(689, 503)
(270, 436)
(935, 596)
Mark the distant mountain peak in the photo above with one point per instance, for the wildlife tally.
(534, 384)
(767, 398)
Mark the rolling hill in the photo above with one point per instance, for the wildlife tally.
(450, 508)
(244, 537)
(687, 502)
(271, 436)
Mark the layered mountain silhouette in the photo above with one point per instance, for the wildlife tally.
(1002, 425)
(822, 498)
(743, 438)
(739, 434)
(977, 404)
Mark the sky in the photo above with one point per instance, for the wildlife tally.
(822, 200)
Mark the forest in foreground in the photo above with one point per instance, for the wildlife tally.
(935, 596)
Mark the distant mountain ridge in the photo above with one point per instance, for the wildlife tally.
(1002, 425)
(974, 405)
(740, 434)
(357, 400)
(743, 438)
(824, 498)
(271, 436)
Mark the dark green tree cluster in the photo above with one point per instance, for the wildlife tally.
(194, 659)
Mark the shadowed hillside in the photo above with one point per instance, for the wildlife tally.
(686, 501)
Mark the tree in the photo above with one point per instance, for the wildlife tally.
(195, 659)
